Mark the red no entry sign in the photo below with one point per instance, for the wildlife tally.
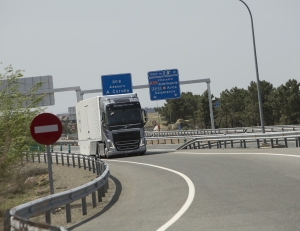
(46, 128)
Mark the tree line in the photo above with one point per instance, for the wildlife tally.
(236, 107)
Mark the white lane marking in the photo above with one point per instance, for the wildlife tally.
(46, 128)
(249, 153)
(188, 201)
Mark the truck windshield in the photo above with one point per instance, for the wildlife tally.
(128, 116)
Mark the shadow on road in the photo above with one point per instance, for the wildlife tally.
(114, 200)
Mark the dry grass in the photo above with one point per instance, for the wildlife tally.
(154, 117)
(14, 191)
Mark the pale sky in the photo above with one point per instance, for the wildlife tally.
(78, 41)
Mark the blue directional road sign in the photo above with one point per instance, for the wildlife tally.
(164, 84)
(116, 84)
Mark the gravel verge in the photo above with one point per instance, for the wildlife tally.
(66, 178)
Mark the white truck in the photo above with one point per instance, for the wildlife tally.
(111, 125)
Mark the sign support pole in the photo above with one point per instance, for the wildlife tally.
(49, 159)
(210, 107)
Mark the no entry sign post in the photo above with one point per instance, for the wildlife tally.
(46, 129)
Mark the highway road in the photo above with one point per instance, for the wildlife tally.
(216, 189)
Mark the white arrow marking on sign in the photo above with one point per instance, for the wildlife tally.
(46, 128)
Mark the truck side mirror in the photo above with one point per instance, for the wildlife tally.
(145, 116)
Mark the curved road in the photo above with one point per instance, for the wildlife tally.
(235, 189)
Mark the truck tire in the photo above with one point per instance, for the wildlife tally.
(105, 153)
(100, 150)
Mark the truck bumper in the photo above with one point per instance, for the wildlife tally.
(142, 149)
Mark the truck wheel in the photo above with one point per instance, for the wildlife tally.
(100, 150)
(105, 153)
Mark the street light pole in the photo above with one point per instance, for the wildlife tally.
(257, 76)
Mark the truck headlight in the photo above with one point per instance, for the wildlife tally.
(110, 145)
(143, 142)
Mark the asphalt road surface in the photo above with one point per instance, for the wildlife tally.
(217, 189)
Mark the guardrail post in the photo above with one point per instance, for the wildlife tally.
(27, 157)
(94, 199)
(107, 184)
(68, 213)
(56, 158)
(39, 158)
(231, 142)
(225, 144)
(6, 222)
(98, 168)
(73, 160)
(84, 163)
(99, 195)
(48, 217)
(103, 190)
(62, 159)
(89, 163)
(285, 142)
(272, 143)
(93, 165)
(68, 161)
(209, 144)
(78, 160)
(69, 148)
(83, 206)
(60, 147)
(296, 140)
(244, 141)
(258, 144)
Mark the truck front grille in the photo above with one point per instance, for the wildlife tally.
(126, 141)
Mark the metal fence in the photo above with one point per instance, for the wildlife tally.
(272, 140)
(19, 215)
(279, 128)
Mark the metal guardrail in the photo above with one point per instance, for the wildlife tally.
(279, 128)
(19, 215)
(242, 139)
(160, 135)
